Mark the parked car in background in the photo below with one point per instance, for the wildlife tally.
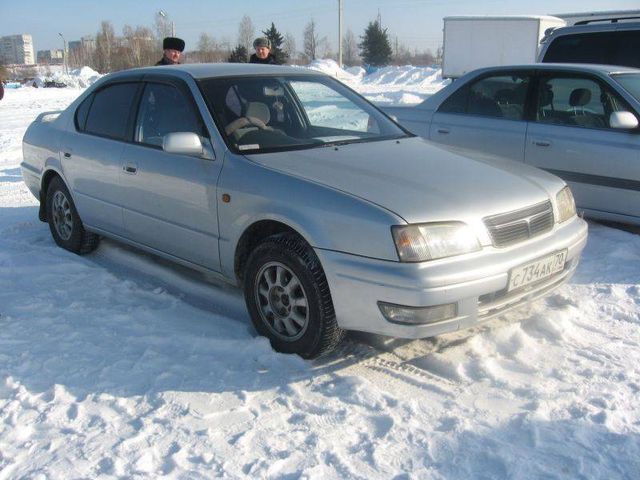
(283, 181)
(592, 41)
(579, 122)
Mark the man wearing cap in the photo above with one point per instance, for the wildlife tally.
(173, 48)
(263, 52)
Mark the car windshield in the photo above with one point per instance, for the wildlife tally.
(258, 114)
(630, 82)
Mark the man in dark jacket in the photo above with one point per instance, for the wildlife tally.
(173, 48)
(263, 52)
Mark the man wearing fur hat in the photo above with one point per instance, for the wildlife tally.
(173, 48)
(263, 52)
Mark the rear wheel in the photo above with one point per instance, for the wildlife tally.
(64, 221)
(288, 297)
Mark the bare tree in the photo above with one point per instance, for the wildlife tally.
(289, 46)
(350, 49)
(105, 47)
(207, 48)
(139, 46)
(312, 41)
(246, 33)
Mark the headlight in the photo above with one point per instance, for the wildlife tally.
(428, 241)
(566, 204)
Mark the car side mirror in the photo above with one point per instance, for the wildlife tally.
(623, 120)
(182, 143)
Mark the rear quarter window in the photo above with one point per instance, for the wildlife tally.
(81, 113)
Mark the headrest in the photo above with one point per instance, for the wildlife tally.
(504, 95)
(258, 110)
(580, 97)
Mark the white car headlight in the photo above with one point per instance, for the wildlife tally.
(566, 204)
(428, 241)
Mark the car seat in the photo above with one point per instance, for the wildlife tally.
(577, 100)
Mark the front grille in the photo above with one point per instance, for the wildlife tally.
(513, 227)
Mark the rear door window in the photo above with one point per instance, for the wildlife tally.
(501, 96)
(110, 111)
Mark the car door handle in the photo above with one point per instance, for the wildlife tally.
(130, 168)
(444, 131)
(542, 143)
(67, 155)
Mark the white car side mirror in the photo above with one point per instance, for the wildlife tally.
(182, 143)
(623, 120)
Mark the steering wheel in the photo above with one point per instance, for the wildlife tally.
(245, 122)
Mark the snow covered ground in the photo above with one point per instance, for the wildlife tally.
(118, 364)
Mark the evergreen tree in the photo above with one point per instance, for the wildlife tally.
(375, 48)
(276, 40)
(238, 55)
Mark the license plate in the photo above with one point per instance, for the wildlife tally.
(537, 270)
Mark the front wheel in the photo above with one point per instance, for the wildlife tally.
(64, 222)
(288, 297)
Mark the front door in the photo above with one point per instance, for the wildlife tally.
(170, 199)
(571, 137)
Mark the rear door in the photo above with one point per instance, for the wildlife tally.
(486, 115)
(92, 154)
(572, 138)
(170, 199)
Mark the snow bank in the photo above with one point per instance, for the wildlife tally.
(402, 85)
(330, 67)
(77, 78)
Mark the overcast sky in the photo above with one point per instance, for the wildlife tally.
(416, 23)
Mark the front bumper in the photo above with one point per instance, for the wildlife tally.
(476, 283)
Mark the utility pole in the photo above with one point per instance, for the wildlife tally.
(340, 33)
(64, 55)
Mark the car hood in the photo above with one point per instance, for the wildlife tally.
(417, 180)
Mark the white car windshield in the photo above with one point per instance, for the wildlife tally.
(269, 113)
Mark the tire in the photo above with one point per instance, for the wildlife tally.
(288, 297)
(64, 221)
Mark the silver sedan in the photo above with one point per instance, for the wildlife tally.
(283, 181)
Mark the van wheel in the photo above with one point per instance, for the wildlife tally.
(288, 297)
(64, 221)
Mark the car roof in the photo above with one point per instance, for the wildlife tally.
(213, 70)
(596, 26)
(576, 67)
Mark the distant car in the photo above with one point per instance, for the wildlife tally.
(579, 122)
(597, 41)
(53, 84)
(285, 182)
